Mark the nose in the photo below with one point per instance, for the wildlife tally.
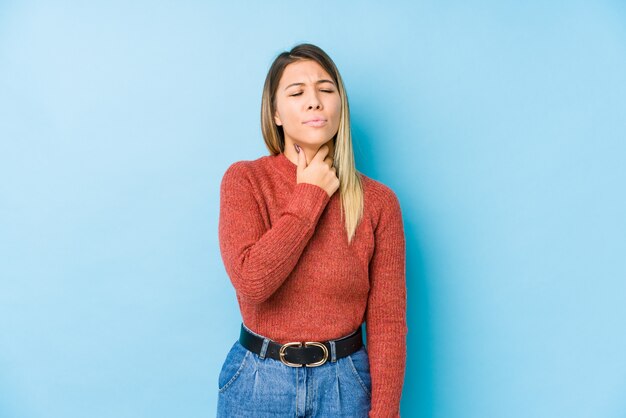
(315, 102)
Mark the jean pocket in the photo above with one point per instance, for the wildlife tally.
(360, 366)
(233, 366)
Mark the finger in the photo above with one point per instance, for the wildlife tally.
(301, 161)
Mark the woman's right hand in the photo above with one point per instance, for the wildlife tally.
(319, 171)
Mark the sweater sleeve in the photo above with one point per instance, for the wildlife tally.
(256, 258)
(386, 310)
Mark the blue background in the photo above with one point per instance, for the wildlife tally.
(500, 126)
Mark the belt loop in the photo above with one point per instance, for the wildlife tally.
(333, 351)
(266, 342)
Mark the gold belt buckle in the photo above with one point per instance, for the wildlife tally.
(281, 353)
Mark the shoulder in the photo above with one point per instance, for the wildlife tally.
(383, 206)
(377, 193)
(244, 169)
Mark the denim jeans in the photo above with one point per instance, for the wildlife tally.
(252, 385)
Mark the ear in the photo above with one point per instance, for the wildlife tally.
(277, 119)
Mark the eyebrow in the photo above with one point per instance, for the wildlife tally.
(317, 82)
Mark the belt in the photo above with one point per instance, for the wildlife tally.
(298, 354)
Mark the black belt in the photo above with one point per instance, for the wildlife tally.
(298, 354)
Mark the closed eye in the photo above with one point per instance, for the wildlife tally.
(325, 91)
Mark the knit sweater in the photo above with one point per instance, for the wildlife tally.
(285, 250)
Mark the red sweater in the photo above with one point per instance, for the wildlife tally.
(286, 252)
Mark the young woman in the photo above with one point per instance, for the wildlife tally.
(313, 248)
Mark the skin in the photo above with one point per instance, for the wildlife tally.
(296, 104)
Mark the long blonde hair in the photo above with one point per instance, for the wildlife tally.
(351, 186)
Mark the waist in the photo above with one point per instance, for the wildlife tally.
(301, 353)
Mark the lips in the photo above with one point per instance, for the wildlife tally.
(317, 122)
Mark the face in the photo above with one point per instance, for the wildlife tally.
(306, 92)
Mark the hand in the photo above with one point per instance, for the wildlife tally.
(319, 171)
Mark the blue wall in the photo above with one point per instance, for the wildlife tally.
(500, 126)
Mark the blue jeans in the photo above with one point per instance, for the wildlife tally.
(252, 385)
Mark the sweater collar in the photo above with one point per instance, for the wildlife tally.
(285, 166)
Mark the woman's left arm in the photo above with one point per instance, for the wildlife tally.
(386, 323)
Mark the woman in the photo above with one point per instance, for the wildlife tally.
(313, 249)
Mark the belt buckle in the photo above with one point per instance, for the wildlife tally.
(299, 344)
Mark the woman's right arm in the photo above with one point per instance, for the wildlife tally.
(257, 259)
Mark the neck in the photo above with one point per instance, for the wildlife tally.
(309, 150)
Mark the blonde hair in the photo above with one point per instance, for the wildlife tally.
(350, 182)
